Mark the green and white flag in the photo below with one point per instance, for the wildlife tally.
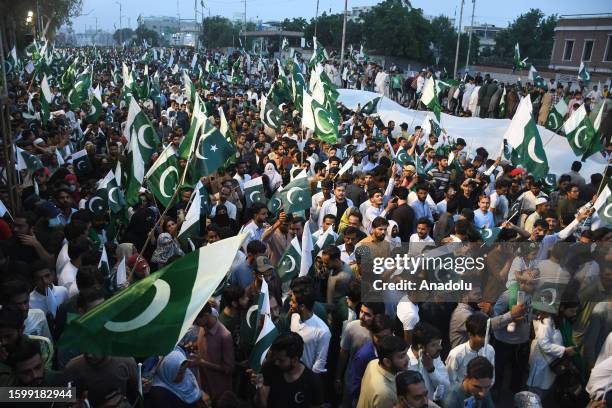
(489, 235)
(138, 125)
(224, 127)
(308, 120)
(212, 150)
(151, 316)
(45, 100)
(557, 113)
(523, 136)
(110, 192)
(603, 207)
(272, 116)
(254, 191)
(326, 126)
(537, 79)
(298, 84)
(197, 120)
(26, 160)
(502, 104)
(136, 172)
(80, 162)
(371, 107)
(4, 210)
(275, 203)
(191, 227)
(307, 248)
(289, 264)
(268, 332)
(78, 94)
(296, 195)
(190, 89)
(163, 177)
(96, 106)
(430, 98)
(581, 134)
(103, 265)
(11, 61)
(517, 63)
(285, 45)
(583, 74)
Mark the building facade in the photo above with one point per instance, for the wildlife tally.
(583, 38)
(486, 35)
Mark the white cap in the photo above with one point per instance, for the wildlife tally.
(541, 200)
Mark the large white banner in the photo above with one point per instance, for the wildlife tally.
(487, 133)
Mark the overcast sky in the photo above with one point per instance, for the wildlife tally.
(497, 12)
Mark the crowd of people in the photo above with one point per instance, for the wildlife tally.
(491, 345)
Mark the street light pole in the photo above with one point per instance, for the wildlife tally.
(120, 22)
(458, 39)
(467, 60)
(316, 19)
(343, 34)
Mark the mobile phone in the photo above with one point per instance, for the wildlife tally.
(520, 297)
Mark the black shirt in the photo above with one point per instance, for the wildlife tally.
(404, 216)
(306, 391)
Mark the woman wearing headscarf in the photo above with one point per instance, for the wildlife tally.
(274, 178)
(167, 246)
(223, 220)
(174, 385)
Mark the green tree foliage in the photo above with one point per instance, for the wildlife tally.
(444, 43)
(532, 31)
(219, 31)
(124, 34)
(394, 28)
(143, 33)
(295, 24)
(329, 31)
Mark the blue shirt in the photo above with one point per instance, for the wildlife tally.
(362, 357)
(422, 210)
(242, 275)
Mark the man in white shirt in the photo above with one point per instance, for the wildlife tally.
(424, 357)
(67, 276)
(46, 296)
(408, 314)
(459, 357)
(311, 328)
(14, 296)
(423, 226)
(336, 205)
(256, 227)
(224, 194)
(241, 175)
(483, 218)
(541, 208)
(318, 199)
(347, 250)
(376, 208)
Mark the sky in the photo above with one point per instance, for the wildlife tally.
(105, 13)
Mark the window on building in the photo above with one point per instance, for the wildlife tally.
(608, 53)
(588, 50)
(569, 49)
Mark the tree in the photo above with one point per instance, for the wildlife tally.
(444, 41)
(150, 36)
(329, 30)
(393, 28)
(295, 24)
(219, 31)
(532, 31)
(124, 34)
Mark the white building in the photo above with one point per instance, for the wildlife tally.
(486, 34)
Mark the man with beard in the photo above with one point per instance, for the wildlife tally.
(378, 247)
(11, 333)
(354, 336)
(29, 369)
(378, 384)
(411, 390)
(424, 357)
(284, 380)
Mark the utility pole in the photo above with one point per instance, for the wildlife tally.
(245, 26)
(467, 60)
(343, 34)
(316, 19)
(120, 23)
(458, 39)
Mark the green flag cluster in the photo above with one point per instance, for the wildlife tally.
(517, 63)
(556, 115)
(581, 134)
(163, 177)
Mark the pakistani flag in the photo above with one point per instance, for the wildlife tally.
(272, 116)
(109, 191)
(275, 203)
(103, 265)
(502, 104)
(96, 106)
(583, 74)
(326, 126)
(11, 61)
(581, 134)
(371, 107)
(549, 183)
(190, 88)
(298, 84)
(489, 235)
(26, 160)
(603, 206)
(517, 63)
(556, 115)
(523, 136)
(285, 45)
(296, 196)
(163, 176)
(268, 331)
(307, 248)
(212, 150)
(45, 100)
(136, 172)
(98, 203)
(516, 208)
(254, 191)
(547, 296)
(191, 227)
(537, 79)
(289, 265)
(80, 162)
(138, 124)
(78, 94)
(151, 316)
(430, 98)
(197, 120)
